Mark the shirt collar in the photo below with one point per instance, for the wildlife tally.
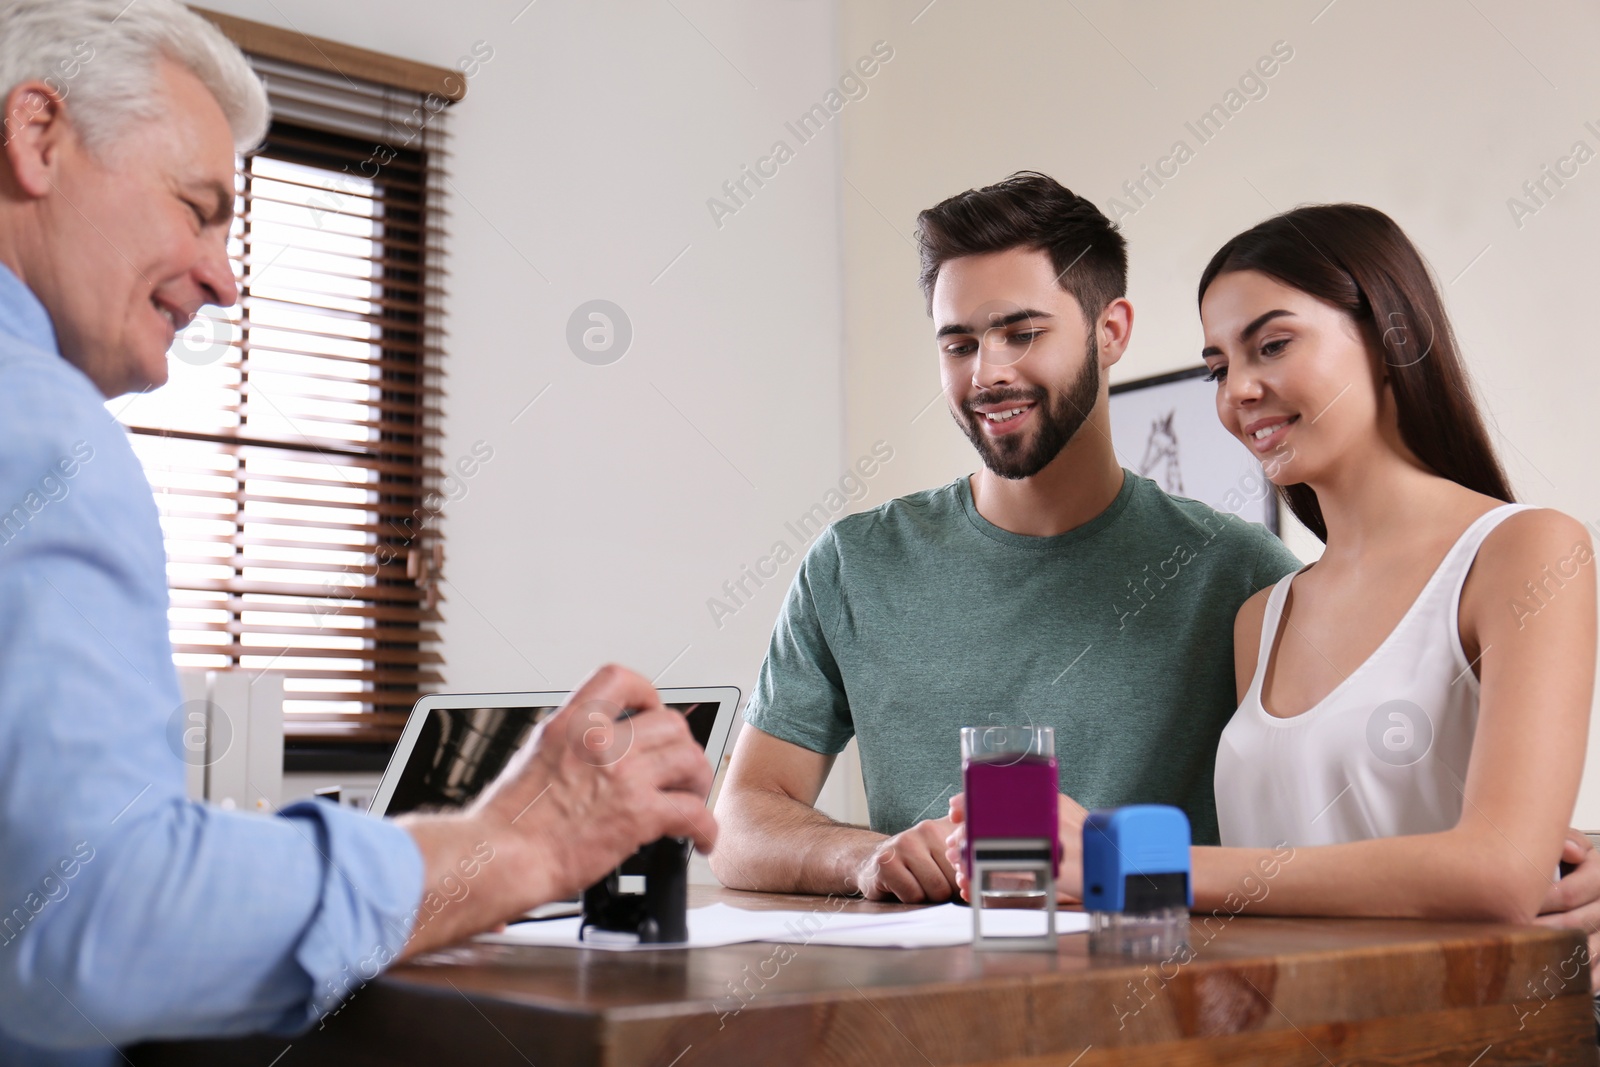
(21, 314)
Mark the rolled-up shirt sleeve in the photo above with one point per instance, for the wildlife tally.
(128, 911)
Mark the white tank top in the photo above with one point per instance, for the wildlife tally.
(1385, 753)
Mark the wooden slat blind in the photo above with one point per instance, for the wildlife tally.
(294, 451)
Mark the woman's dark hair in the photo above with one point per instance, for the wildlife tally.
(1029, 210)
(1357, 259)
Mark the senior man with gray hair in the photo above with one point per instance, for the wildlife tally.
(127, 911)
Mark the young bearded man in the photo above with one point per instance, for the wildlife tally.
(1051, 587)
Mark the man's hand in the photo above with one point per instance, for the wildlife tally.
(1574, 902)
(910, 867)
(590, 787)
(586, 791)
(1070, 816)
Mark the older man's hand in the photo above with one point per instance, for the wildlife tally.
(610, 771)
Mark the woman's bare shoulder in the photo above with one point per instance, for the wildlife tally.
(1525, 560)
(1251, 612)
(1524, 543)
(1247, 638)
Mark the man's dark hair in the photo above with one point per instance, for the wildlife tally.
(1034, 211)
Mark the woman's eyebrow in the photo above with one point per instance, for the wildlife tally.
(1250, 328)
(1260, 321)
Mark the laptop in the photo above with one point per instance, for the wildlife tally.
(454, 745)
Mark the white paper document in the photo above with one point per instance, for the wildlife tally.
(720, 924)
(943, 924)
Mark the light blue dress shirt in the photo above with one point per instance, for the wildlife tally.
(126, 910)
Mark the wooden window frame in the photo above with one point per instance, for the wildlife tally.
(332, 57)
(397, 600)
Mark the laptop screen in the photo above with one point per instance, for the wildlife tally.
(459, 751)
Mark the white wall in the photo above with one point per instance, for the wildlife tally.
(1434, 111)
(584, 156)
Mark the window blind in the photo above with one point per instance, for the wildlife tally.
(294, 452)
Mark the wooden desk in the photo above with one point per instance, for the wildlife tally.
(1258, 991)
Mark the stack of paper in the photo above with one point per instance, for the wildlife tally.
(720, 924)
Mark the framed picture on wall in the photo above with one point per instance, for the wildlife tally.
(1165, 428)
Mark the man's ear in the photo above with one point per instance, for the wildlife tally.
(36, 128)
(1115, 326)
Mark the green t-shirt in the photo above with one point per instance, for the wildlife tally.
(909, 621)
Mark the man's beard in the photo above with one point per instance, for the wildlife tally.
(1012, 456)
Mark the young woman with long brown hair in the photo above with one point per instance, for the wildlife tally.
(1417, 701)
